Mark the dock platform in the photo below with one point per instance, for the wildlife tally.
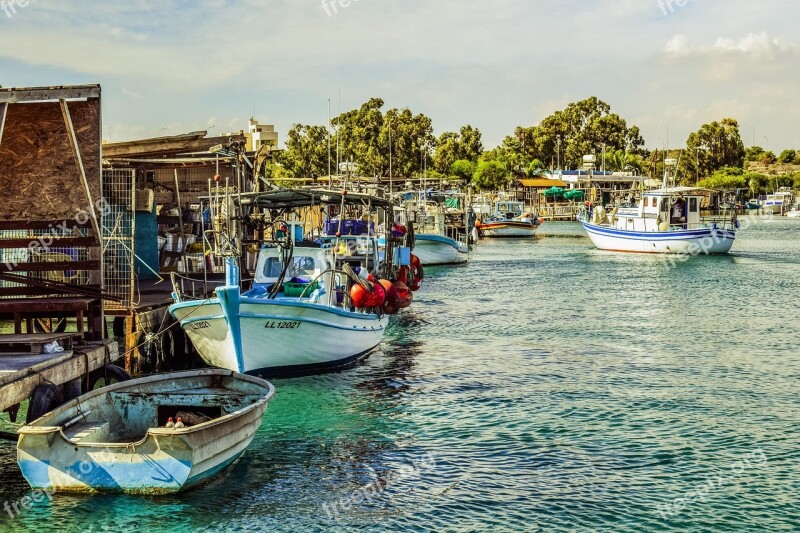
(21, 373)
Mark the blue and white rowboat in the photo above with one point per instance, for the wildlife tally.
(114, 440)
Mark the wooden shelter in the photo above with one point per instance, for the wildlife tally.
(50, 228)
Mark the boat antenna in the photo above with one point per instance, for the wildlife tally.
(338, 125)
(330, 177)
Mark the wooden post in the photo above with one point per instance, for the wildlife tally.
(73, 139)
(130, 342)
(3, 109)
(180, 224)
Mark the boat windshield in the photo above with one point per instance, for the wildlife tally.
(302, 266)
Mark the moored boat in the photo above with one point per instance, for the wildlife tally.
(509, 220)
(440, 236)
(778, 203)
(300, 316)
(114, 439)
(667, 220)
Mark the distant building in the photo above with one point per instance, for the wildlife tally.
(258, 135)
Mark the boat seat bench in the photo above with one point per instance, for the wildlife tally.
(98, 431)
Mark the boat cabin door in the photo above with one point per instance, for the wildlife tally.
(692, 211)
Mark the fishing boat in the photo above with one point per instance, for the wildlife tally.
(116, 439)
(509, 220)
(440, 236)
(301, 315)
(778, 203)
(667, 220)
(753, 204)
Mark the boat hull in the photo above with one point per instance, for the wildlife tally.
(508, 229)
(773, 208)
(691, 242)
(439, 250)
(164, 461)
(279, 337)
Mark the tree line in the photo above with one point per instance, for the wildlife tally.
(402, 143)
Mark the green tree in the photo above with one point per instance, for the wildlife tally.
(582, 128)
(622, 161)
(463, 169)
(491, 175)
(713, 146)
(787, 156)
(451, 147)
(306, 154)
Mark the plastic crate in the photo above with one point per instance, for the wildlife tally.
(296, 289)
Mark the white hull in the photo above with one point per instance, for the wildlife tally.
(279, 336)
(435, 252)
(690, 242)
(775, 209)
(508, 230)
(793, 214)
(55, 453)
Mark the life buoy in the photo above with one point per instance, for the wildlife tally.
(402, 274)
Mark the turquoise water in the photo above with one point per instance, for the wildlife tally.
(546, 386)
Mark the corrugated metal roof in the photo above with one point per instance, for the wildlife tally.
(542, 183)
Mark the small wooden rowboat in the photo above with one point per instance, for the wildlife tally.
(114, 439)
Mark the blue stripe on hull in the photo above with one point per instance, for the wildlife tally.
(683, 235)
(164, 475)
(437, 238)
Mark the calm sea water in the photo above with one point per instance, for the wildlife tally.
(546, 386)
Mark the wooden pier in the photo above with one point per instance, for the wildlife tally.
(22, 371)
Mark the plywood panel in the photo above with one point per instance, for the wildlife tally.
(39, 176)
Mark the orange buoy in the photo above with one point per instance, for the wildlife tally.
(378, 296)
(391, 292)
(404, 295)
(359, 296)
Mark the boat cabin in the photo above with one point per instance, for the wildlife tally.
(303, 276)
(509, 209)
(675, 208)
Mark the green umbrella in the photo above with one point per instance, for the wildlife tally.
(574, 195)
(554, 191)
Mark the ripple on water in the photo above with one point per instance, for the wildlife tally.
(545, 386)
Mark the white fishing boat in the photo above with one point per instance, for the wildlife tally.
(778, 203)
(509, 220)
(440, 235)
(666, 220)
(299, 317)
(117, 439)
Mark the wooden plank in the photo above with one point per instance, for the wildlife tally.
(14, 95)
(45, 305)
(16, 387)
(11, 225)
(37, 291)
(76, 150)
(12, 365)
(33, 342)
(52, 242)
(55, 266)
(182, 144)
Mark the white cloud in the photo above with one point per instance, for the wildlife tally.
(754, 45)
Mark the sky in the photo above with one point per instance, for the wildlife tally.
(174, 66)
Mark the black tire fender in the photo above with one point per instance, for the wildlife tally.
(109, 373)
(45, 398)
